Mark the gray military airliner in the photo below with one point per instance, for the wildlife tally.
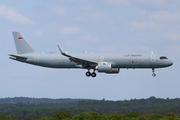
(105, 63)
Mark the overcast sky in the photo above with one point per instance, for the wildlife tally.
(98, 26)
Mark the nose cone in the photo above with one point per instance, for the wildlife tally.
(170, 63)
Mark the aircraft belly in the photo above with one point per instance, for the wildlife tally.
(58, 64)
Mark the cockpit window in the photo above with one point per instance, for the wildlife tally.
(163, 57)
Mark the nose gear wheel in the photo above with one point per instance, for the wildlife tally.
(154, 74)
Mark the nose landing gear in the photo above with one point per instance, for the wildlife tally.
(88, 74)
(154, 74)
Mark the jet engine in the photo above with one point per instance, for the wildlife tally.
(107, 68)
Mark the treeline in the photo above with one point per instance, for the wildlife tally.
(38, 109)
(94, 116)
(150, 105)
(102, 108)
(38, 100)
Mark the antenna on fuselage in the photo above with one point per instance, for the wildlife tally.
(84, 51)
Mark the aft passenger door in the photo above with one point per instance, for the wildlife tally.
(36, 58)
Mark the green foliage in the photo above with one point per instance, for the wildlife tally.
(27, 100)
(170, 116)
(90, 116)
(61, 115)
(116, 116)
(155, 116)
(38, 109)
(46, 106)
(150, 105)
(133, 115)
(134, 109)
(94, 116)
(4, 117)
(45, 118)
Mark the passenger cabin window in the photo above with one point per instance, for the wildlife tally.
(163, 57)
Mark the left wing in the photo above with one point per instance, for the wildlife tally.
(85, 63)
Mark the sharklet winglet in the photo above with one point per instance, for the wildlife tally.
(62, 52)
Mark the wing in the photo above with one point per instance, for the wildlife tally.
(85, 63)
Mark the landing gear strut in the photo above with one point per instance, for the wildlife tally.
(88, 74)
(153, 72)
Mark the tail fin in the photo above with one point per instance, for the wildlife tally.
(22, 46)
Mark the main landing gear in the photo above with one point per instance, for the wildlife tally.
(153, 72)
(88, 74)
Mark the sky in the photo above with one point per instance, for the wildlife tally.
(103, 26)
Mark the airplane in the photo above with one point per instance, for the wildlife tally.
(103, 63)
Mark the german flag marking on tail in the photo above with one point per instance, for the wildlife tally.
(19, 38)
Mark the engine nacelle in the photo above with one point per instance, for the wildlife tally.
(106, 68)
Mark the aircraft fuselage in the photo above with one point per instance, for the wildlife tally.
(118, 60)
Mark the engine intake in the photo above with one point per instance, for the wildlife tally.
(104, 67)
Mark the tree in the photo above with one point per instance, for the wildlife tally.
(61, 115)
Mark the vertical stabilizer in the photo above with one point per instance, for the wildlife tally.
(22, 46)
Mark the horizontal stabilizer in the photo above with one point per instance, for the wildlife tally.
(16, 56)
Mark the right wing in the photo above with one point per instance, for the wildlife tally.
(85, 63)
